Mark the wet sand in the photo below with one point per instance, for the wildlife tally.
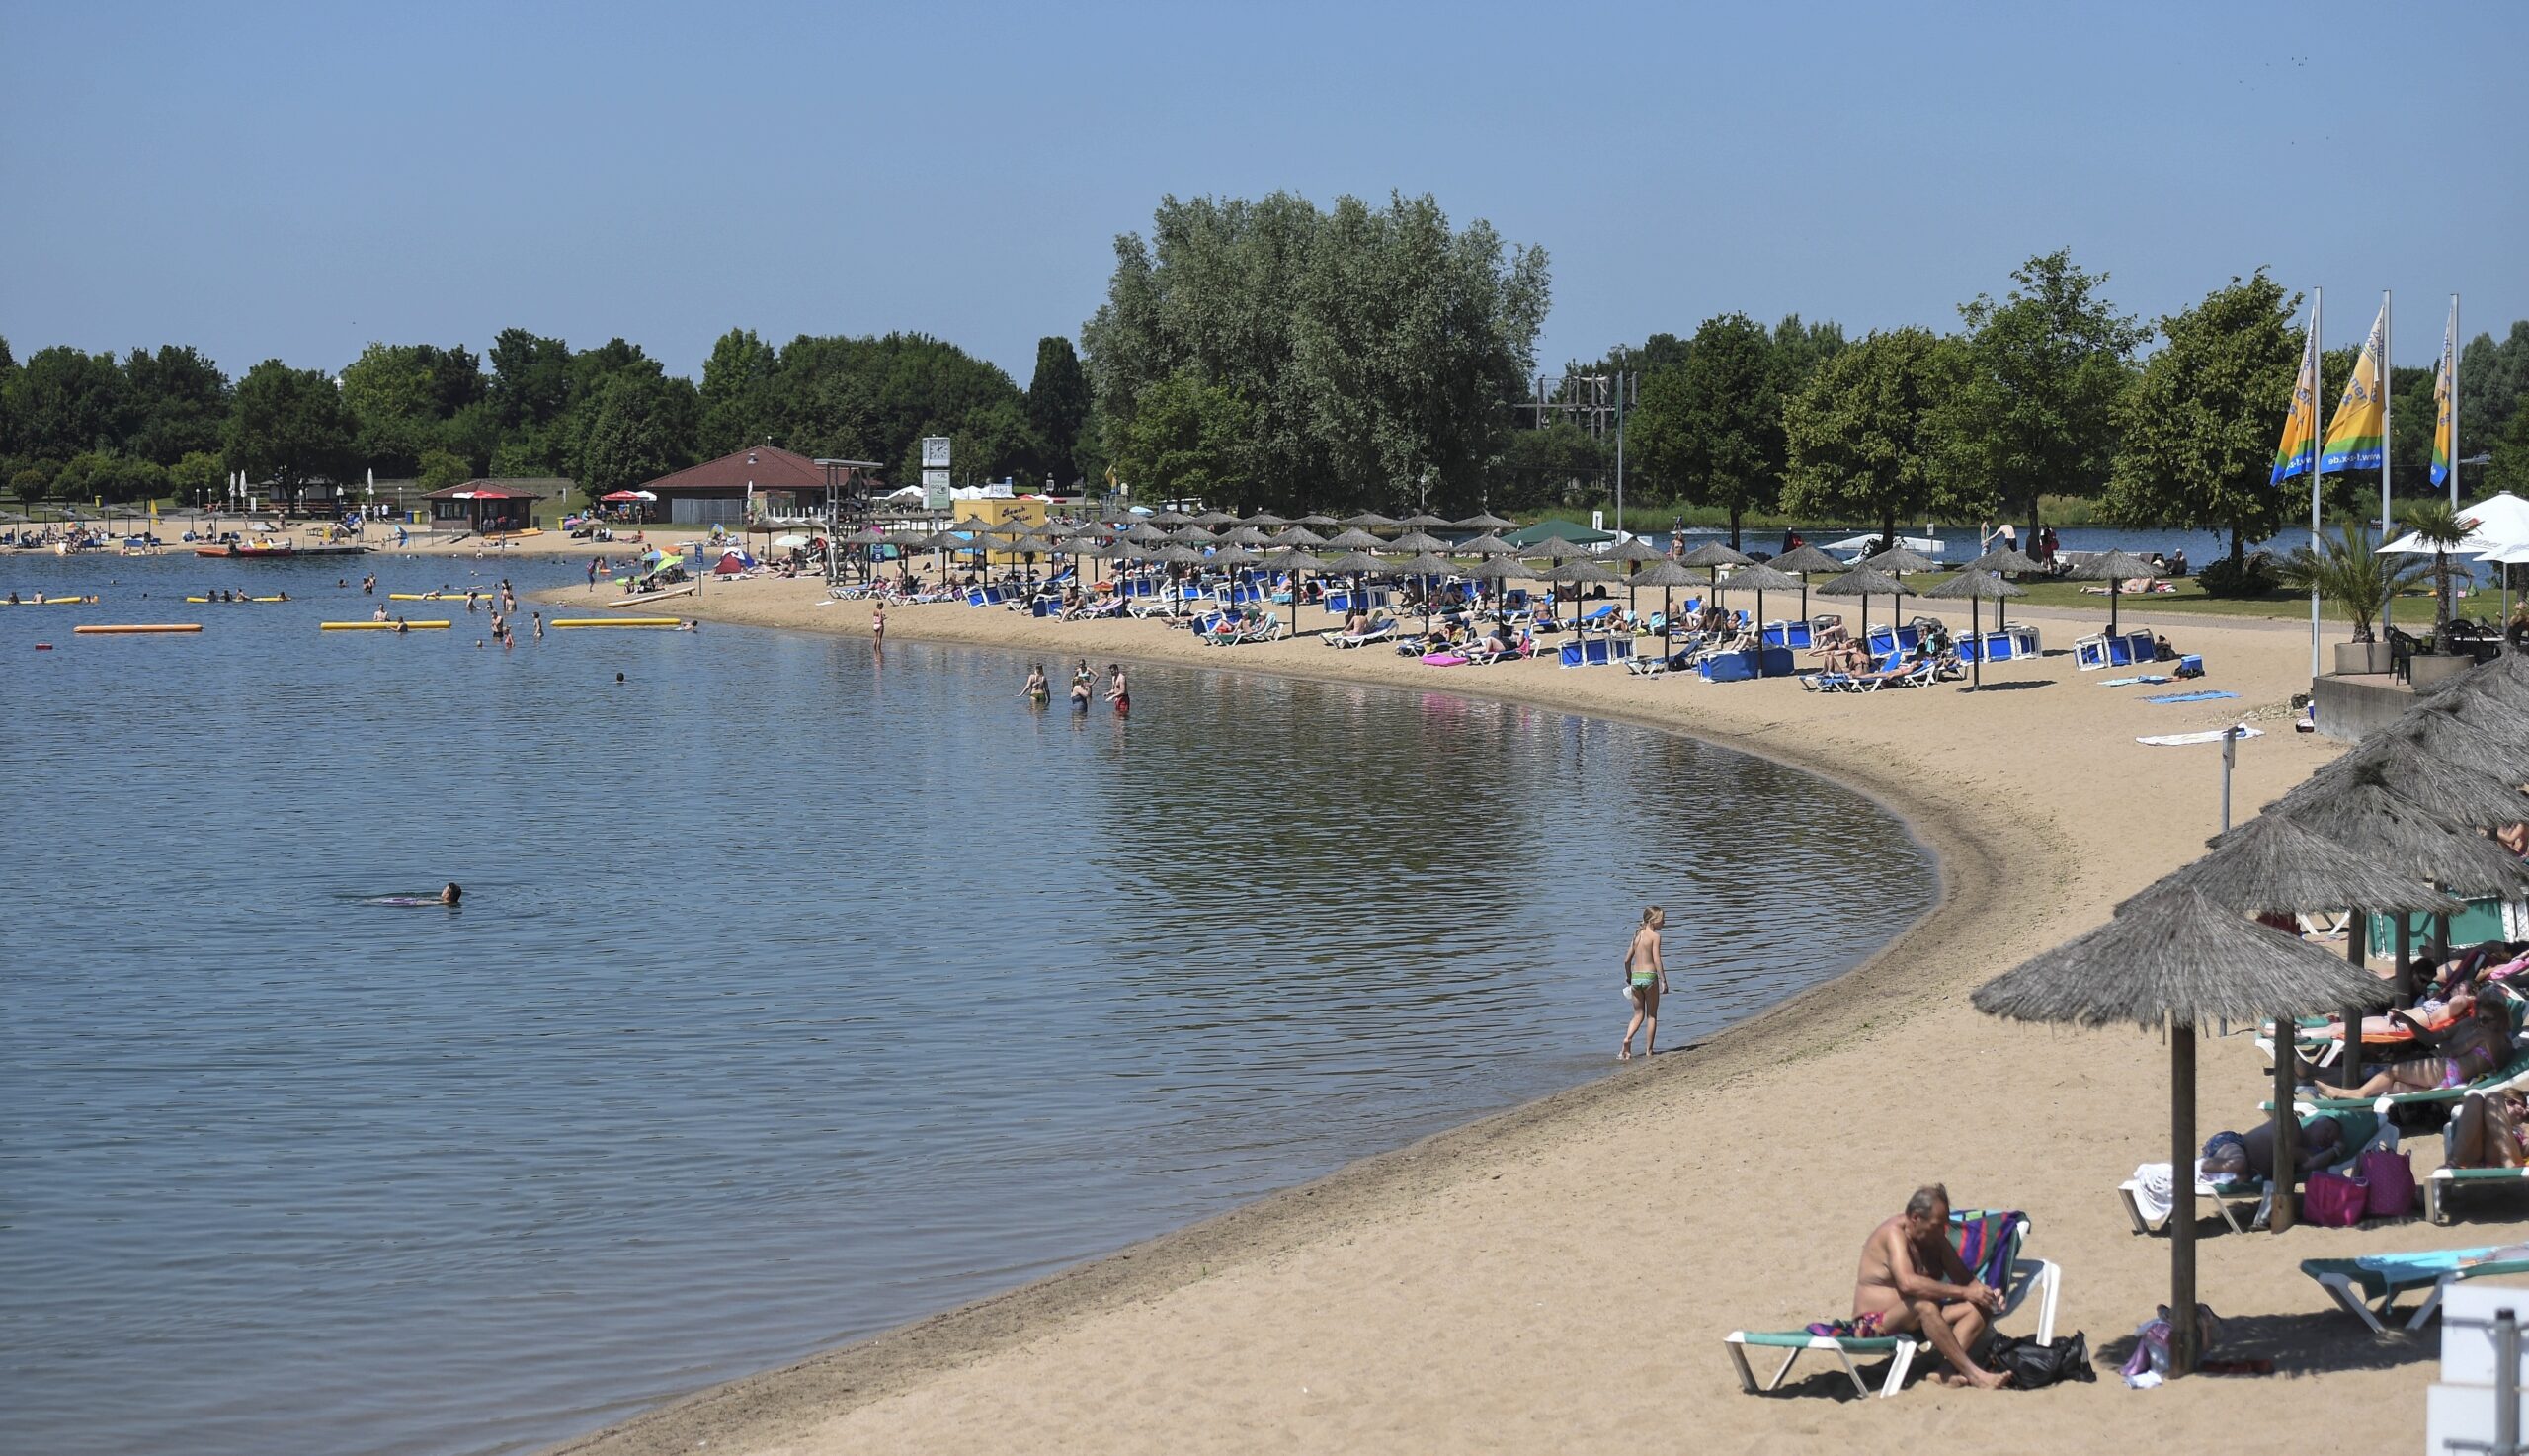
(1558, 1276)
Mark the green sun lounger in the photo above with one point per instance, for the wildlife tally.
(2368, 1286)
(2028, 1276)
(2362, 1131)
(2446, 1180)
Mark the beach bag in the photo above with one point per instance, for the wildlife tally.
(2389, 1181)
(2333, 1200)
(2035, 1366)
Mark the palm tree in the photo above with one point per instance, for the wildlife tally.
(2348, 573)
(2436, 525)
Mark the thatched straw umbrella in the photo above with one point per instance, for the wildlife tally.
(1483, 520)
(1497, 569)
(1244, 535)
(1760, 578)
(1357, 565)
(1668, 576)
(1266, 521)
(2003, 561)
(2113, 568)
(1898, 560)
(1355, 539)
(2504, 725)
(1711, 556)
(1633, 551)
(1295, 535)
(1167, 516)
(2272, 866)
(2174, 958)
(1369, 521)
(1414, 544)
(1217, 518)
(1577, 572)
(1317, 519)
(1423, 521)
(1294, 562)
(1864, 583)
(1144, 534)
(1484, 545)
(1801, 562)
(1556, 549)
(1193, 535)
(1975, 586)
(1426, 566)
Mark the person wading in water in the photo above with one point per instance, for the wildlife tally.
(1646, 978)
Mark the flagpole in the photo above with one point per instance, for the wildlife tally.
(2312, 357)
(2388, 602)
(2453, 415)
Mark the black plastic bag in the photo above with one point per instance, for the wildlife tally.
(2035, 1366)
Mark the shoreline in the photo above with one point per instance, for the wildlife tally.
(2016, 874)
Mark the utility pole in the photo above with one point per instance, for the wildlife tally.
(1598, 404)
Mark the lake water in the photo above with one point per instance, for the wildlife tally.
(794, 995)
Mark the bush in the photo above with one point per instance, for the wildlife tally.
(2253, 577)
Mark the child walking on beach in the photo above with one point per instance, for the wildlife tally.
(1646, 979)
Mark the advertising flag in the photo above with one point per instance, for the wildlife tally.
(2357, 437)
(2298, 454)
(2445, 400)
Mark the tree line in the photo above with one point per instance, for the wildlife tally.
(76, 426)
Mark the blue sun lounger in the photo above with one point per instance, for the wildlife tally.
(2368, 1286)
(2028, 1276)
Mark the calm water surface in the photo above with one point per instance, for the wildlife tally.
(795, 994)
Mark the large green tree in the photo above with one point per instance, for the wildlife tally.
(875, 399)
(637, 427)
(2493, 378)
(1379, 349)
(737, 393)
(2199, 426)
(176, 400)
(1189, 442)
(1866, 435)
(63, 401)
(288, 426)
(394, 393)
(530, 378)
(2037, 411)
(1058, 400)
(1710, 430)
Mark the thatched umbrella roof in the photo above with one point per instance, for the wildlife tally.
(1291, 561)
(2370, 818)
(2271, 863)
(1667, 575)
(1497, 569)
(1582, 573)
(1415, 542)
(1167, 516)
(2394, 759)
(1807, 558)
(1244, 535)
(1356, 539)
(1144, 533)
(1177, 557)
(1425, 564)
(1191, 534)
(2502, 681)
(1236, 557)
(2112, 567)
(1266, 521)
(1714, 553)
(1864, 583)
(1975, 586)
(1554, 548)
(1423, 521)
(1215, 517)
(2173, 954)
(2004, 559)
(1483, 520)
(1317, 517)
(1633, 549)
(1295, 535)
(2489, 746)
(2501, 723)
(1369, 519)
(1900, 560)
(1485, 545)
(1760, 578)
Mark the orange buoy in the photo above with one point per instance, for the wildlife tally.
(135, 628)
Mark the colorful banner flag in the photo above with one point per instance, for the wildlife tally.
(2357, 435)
(2298, 454)
(2445, 401)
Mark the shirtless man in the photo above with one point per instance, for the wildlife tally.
(1646, 979)
(1913, 1282)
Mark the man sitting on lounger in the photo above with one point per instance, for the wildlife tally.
(1912, 1282)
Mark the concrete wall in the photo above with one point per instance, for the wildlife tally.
(2351, 709)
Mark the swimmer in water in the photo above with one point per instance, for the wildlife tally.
(450, 893)
(1037, 692)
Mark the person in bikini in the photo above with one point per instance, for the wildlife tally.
(1646, 977)
(1913, 1282)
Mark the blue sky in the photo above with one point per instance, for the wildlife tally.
(295, 181)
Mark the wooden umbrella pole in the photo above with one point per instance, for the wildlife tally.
(2182, 1333)
(2286, 1182)
(2406, 960)
(2357, 928)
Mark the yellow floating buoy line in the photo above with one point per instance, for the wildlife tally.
(135, 628)
(56, 601)
(381, 626)
(616, 622)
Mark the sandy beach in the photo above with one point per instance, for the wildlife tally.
(1558, 1276)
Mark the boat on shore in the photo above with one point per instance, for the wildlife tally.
(258, 550)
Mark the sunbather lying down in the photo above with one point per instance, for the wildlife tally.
(2469, 1050)
(1912, 1282)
